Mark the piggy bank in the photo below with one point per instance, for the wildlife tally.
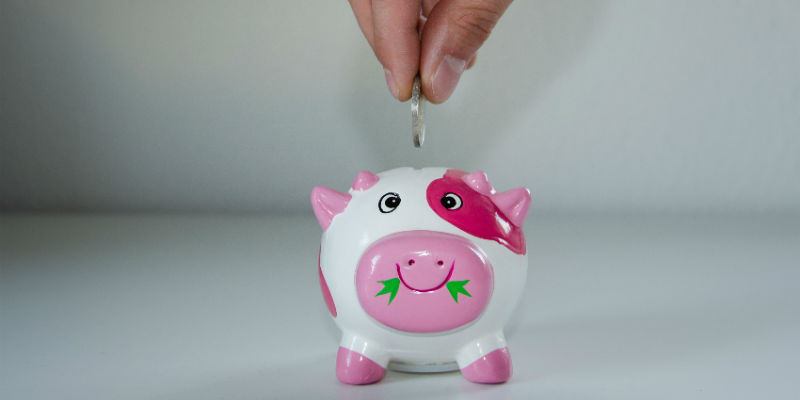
(421, 269)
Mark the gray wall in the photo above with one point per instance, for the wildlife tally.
(227, 106)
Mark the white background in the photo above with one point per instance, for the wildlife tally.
(229, 106)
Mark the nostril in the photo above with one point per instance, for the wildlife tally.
(411, 262)
(440, 262)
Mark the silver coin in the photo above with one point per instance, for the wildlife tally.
(417, 114)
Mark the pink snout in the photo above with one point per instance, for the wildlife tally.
(424, 281)
(424, 271)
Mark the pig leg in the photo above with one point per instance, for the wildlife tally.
(360, 361)
(486, 360)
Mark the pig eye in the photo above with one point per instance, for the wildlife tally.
(389, 202)
(451, 201)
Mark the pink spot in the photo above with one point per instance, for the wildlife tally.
(364, 180)
(327, 203)
(478, 215)
(326, 293)
(494, 367)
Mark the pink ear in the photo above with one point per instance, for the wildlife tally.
(514, 204)
(479, 181)
(327, 203)
(364, 180)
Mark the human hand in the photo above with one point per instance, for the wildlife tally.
(437, 39)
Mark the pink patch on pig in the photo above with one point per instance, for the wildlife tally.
(424, 281)
(326, 293)
(477, 214)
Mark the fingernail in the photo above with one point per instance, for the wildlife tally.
(391, 83)
(446, 77)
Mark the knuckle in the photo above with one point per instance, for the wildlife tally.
(475, 22)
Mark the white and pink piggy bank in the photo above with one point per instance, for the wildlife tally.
(422, 268)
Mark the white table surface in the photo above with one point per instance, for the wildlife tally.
(197, 307)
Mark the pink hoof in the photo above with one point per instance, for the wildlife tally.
(356, 369)
(494, 367)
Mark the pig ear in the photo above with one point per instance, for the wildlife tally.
(478, 181)
(514, 204)
(364, 180)
(327, 203)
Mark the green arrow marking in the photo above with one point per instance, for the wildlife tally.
(389, 286)
(456, 287)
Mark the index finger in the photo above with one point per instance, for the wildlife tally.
(396, 42)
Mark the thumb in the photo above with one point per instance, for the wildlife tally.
(454, 32)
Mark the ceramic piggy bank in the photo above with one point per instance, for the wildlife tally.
(422, 268)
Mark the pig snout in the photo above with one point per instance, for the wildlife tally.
(425, 260)
(423, 274)
(409, 277)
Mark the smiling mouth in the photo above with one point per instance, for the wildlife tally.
(449, 274)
